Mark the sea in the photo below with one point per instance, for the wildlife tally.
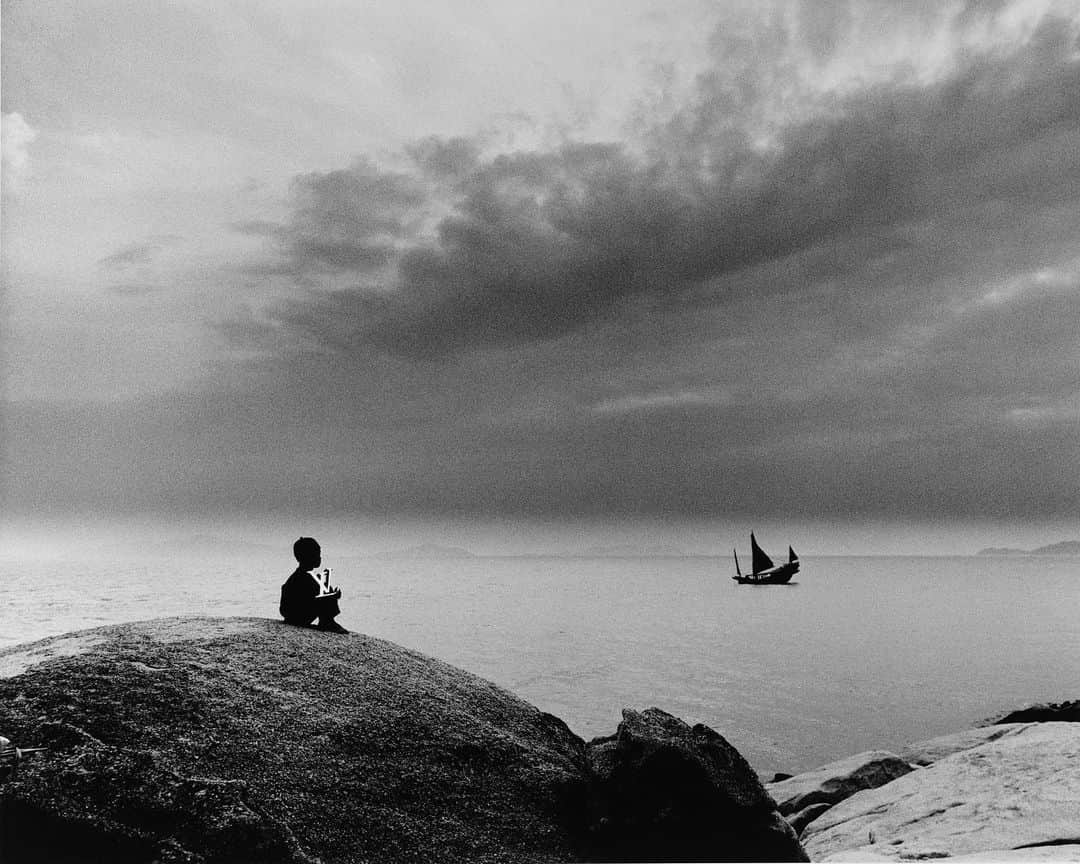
(857, 653)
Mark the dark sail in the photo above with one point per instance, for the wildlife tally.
(761, 560)
(791, 555)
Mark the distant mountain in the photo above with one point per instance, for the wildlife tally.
(1065, 547)
(197, 546)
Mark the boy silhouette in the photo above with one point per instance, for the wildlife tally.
(307, 595)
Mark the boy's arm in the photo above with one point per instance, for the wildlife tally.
(298, 596)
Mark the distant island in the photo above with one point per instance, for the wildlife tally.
(1065, 547)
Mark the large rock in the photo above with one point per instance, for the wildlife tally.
(1017, 792)
(1047, 712)
(216, 740)
(836, 781)
(666, 791)
(240, 739)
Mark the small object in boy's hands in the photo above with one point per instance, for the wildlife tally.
(10, 756)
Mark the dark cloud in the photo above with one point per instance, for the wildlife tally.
(456, 252)
(965, 410)
(848, 320)
(971, 415)
(348, 221)
(451, 159)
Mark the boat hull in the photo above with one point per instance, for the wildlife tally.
(781, 576)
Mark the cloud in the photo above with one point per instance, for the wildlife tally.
(823, 24)
(17, 135)
(836, 307)
(963, 411)
(140, 252)
(131, 289)
(455, 251)
(794, 292)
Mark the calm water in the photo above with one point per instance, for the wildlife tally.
(859, 653)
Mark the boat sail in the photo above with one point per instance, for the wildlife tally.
(764, 571)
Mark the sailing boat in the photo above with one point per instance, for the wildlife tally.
(765, 572)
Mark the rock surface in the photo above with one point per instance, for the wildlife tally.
(836, 781)
(242, 739)
(1067, 852)
(249, 740)
(925, 753)
(666, 791)
(1063, 852)
(804, 817)
(1017, 792)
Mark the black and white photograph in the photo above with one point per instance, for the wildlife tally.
(539, 431)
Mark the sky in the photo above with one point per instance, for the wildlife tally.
(633, 263)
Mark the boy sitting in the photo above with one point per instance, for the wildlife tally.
(307, 594)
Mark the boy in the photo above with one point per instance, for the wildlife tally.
(307, 595)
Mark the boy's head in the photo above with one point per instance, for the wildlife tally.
(307, 552)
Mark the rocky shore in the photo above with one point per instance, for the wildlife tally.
(1005, 792)
(242, 739)
(239, 739)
